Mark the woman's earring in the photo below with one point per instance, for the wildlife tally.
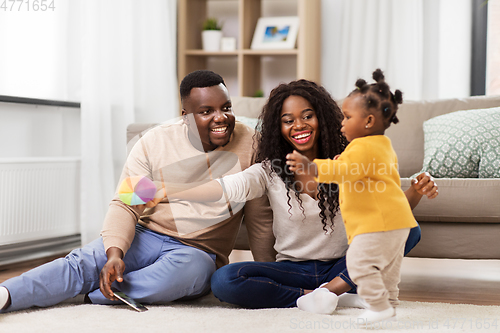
(366, 126)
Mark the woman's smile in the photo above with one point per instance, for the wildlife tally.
(302, 137)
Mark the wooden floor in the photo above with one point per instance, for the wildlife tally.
(427, 280)
(451, 281)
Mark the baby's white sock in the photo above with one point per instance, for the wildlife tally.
(320, 300)
(352, 301)
(369, 317)
(4, 297)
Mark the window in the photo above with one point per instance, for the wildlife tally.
(37, 52)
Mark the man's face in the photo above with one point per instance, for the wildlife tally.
(213, 114)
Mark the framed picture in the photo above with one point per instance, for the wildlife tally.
(275, 33)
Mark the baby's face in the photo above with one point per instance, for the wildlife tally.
(355, 120)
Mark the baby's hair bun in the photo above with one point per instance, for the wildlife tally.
(398, 96)
(378, 75)
(394, 119)
(360, 83)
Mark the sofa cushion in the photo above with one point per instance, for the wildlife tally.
(248, 106)
(408, 136)
(463, 144)
(460, 200)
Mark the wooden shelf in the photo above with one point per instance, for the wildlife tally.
(211, 54)
(237, 52)
(270, 52)
(249, 62)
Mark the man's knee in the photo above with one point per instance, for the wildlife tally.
(194, 264)
(193, 258)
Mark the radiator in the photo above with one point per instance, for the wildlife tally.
(39, 207)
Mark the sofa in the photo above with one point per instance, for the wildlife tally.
(463, 222)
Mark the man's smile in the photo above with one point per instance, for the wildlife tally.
(220, 129)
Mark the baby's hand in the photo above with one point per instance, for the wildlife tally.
(424, 184)
(300, 164)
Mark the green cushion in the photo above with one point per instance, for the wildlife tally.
(463, 144)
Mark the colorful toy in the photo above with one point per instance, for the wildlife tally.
(136, 190)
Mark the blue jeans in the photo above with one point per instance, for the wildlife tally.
(158, 268)
(279, 284)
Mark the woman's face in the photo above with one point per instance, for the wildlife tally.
(299, 125)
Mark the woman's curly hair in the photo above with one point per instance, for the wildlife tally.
(272, 147)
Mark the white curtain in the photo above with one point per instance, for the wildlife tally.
(128, 75)
(423, 46)
(493, 49)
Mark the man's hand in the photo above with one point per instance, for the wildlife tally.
(112, 270)
(424, 184)
(301, 165)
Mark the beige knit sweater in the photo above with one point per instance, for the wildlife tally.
(165, 153)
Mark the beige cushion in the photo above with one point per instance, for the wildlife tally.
(250, 107)
(408, 135)
(461, 200)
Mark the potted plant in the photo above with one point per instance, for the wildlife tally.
(211, 34)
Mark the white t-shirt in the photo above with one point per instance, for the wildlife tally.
(299, 236)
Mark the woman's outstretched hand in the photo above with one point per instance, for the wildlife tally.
(161, 195)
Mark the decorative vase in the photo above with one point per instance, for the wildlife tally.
(211, 40)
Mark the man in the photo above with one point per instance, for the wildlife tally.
(170, 251)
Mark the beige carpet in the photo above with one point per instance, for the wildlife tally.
(209, 315)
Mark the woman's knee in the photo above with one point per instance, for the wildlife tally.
(224, 282)
(413, 239)
(219, 279)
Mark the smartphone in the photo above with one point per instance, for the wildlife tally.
(129, 301)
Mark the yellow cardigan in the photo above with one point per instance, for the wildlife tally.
(371, 199)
